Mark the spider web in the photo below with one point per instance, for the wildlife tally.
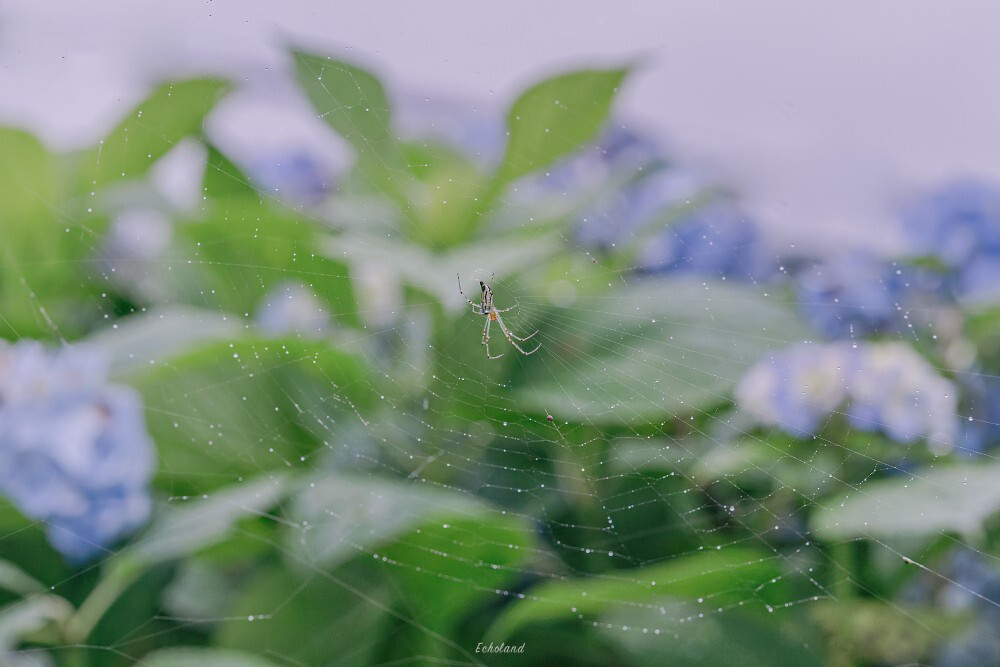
(334, 445)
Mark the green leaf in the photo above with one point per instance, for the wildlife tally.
(45, 253)
(730, 638)
(16, 580)
(202, 589)
(952, 499)
(724, 577)
(557, 117)
(312, 619)
(27, 178)
(656, 349)
(173, 111)
(190, 656)
(196, 524)
(349, 516)
(889, 632)
(456, 550)
(353, 102)
(241, 249)
(152, 337)
(350, 99)
(232, 409)
(224, 180)
(454, 563)
(28, 616)
(435, 273)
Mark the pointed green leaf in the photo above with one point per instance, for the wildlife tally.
(557, 117)
(173, 111)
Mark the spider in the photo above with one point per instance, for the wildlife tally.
(492, 314)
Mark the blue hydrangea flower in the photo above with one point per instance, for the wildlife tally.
(852, 295)
(960, 225)
(618, 158)
(74, 451)
(973, 588)
(980, 431)
(297, 178)
(715, 241)
(619, 153)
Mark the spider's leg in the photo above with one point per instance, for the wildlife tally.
(486, 339)
(474, 305)
(511, 337)
(529, 336)
(504, 310)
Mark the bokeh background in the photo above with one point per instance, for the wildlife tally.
(245, 420)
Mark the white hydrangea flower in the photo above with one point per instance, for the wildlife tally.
(797, 388)
(897, 392)
(887, 387)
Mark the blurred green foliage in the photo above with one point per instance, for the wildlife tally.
(354, 499)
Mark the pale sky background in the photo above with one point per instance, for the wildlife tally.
(823, 116)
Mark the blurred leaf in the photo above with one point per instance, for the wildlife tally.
(556, 117)
(315, 619)
(953, 499)
(452, 564)
(656, 349)
(457, 551)
(352, 101)
(241, 249)
(175, 110)
(26, 546)
(200, 590)
(722, 578)
(447, 192)
(132, 615)
(890, 634)
(435, 273)
(348, 516)
(27, 178)
(223, 179)
(741, 457)
(16, 580)
(196, 524)
(44, 256)
(28, 616)
(152, 337)
(229, 410)
(447, 574)
(728, 638)
(203, 657)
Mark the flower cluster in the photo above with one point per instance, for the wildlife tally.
(884, 387)
(852, 295)
(74, 451)
(960, 226)
(715, 241)
(653, 205)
